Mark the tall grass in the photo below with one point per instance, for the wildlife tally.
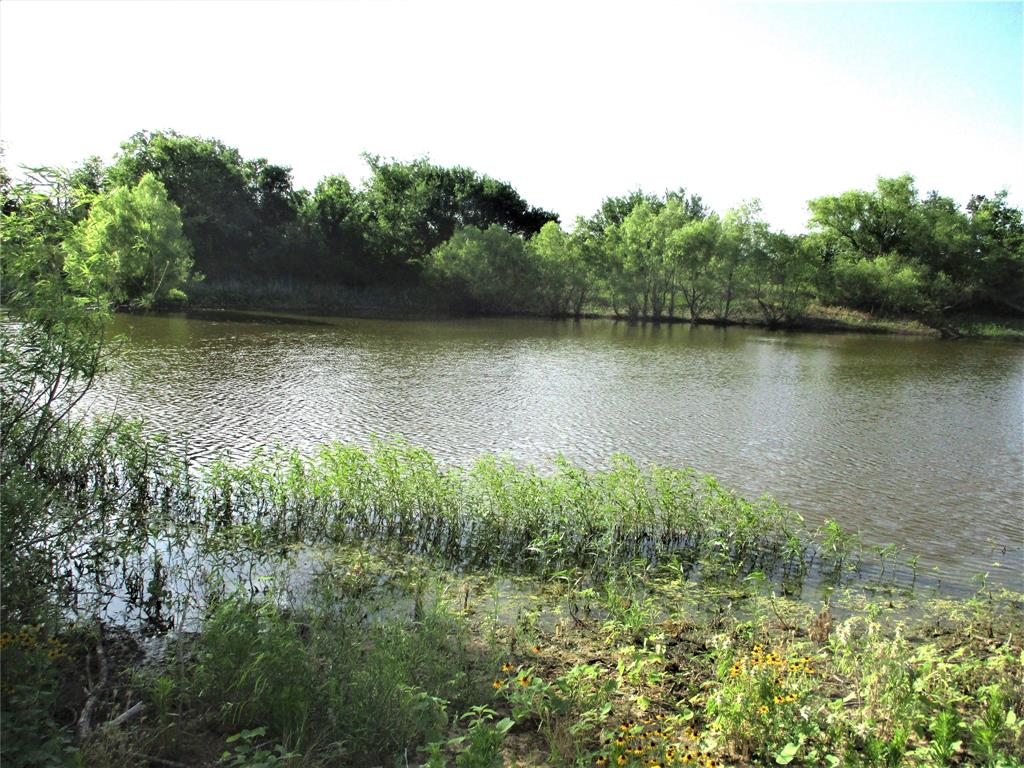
(135, 505)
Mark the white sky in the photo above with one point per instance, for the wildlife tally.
(570, 102)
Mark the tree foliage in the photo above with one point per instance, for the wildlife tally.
(130, 248)
(888, 250)
(893, 252)
(486, 269)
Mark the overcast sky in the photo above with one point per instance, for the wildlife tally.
(570, 102)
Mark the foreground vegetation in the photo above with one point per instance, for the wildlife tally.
(363, 655)
(172, 209)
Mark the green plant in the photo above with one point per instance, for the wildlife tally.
(250, 752)
(481, 746)
(943, 729)
(30, 669)
(995, 724)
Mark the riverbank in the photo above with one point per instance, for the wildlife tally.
(306, 298)
(369, 607)
(389, 660)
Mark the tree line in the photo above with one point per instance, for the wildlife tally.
(172, 208)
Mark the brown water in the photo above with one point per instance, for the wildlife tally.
(915, 441)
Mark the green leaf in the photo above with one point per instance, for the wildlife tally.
(786, 754)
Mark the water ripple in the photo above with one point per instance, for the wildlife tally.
(915, 441)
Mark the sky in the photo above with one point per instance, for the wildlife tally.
(569, 102)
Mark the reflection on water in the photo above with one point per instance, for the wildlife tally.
(911, 440)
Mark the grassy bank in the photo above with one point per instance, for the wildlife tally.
(377, 658)
(276, 295)
(370, 607)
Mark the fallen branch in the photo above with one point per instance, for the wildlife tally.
(86, 715)
(126, 716)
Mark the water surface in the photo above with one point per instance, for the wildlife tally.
(911, 440)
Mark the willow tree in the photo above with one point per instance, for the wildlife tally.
(130, 248)
(561, 269)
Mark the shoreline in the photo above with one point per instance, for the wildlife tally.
(303, 299)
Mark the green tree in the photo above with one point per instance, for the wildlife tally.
(741, 243)
(694, 247)
(562, 272)
(130, 247)
(997, 250)
(871, 223)
(782, 278)
(416, 206)
(337, 213)
(51, 350)
(890, 251)
(222, 197)
(487, 270)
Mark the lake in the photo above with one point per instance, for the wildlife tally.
(911, 440)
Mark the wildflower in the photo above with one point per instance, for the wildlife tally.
(506, 667)
(621, 760)
(779, 699)
(498, 684)
(535, 649)
(620, 742)
(525, 681)
(601, 761)
(763, 709)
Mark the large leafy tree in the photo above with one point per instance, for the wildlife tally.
(336, 213)
(131, 247)
(891, 251)
(741, 243)
(232, 210)
(561, 270)
(694, 246)
(416, 206)
(485, 270)
(782, 274)
(997, 250)
(49, 355)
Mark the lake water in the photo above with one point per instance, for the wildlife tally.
(915, 441)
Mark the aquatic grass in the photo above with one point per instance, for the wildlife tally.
(497, 514)
(152, 537)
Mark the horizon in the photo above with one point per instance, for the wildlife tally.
(783, 102)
